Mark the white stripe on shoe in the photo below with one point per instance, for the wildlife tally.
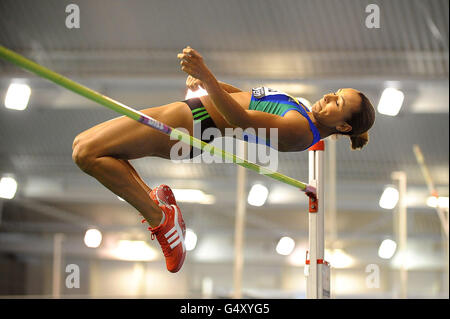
(171, 235)
(175, 232)
(170, 232)
(171, 239)
(176, 243)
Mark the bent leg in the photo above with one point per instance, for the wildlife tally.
(104, 150)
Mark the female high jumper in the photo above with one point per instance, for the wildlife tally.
(104, 151)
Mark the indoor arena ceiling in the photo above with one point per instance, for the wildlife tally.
(127, 50)
(285, 39)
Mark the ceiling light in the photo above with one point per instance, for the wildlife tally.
(387, 249)
(390, 102)
(93, 238)
(17, 96)
(8, 187)
(258, 195)
(389, 198)
(285, 246)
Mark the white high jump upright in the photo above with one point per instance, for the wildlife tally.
(317, 270)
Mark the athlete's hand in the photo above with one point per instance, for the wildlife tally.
(192, 63)
(193, 83)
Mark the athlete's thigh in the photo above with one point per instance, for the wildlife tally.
(93, 130)
(125, 138)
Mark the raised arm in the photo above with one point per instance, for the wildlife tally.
(192, 63)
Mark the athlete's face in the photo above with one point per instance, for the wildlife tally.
(334, 109)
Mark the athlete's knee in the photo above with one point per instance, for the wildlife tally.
(83, 155)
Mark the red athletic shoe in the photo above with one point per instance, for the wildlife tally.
(172, 232)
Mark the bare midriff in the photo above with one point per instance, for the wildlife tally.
(242, 98)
